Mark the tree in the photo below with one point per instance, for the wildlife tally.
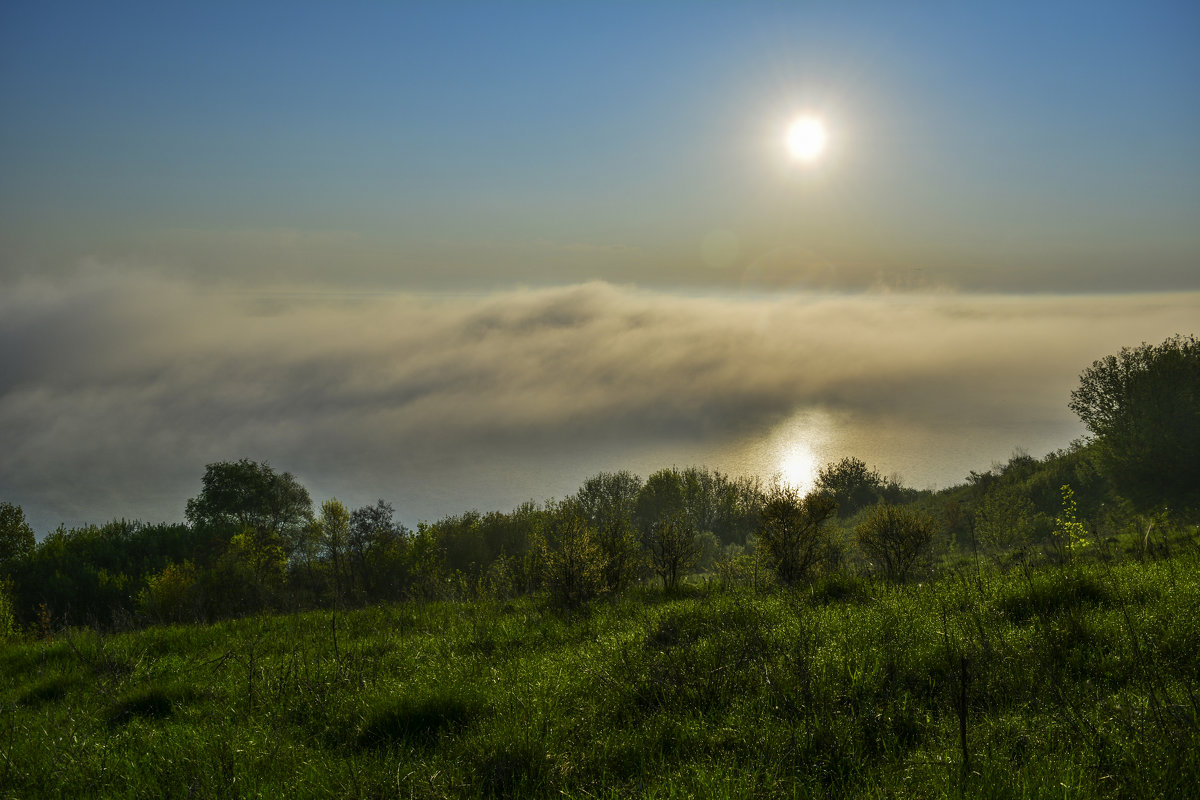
(377, 547)
(333, 534)
(247, 577)
(571, 563)
(8, 622)
(93, 572)
(371, 525)
(244, 495)
(608, 502)
(426, 564)
(1142, 405)
(660, 497)
(17, 542)
(1005, 518)
(792, 530)
(16, 537)
(895, 537)
(739, 503)
(673, 548)
(701, 497)
(173, 595)
(851, 484)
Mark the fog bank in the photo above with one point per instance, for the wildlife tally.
(118, 386)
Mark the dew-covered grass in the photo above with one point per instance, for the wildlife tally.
(1062, 681)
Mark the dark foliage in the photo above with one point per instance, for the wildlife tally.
(248, 495)
(92, 574)
(672, 548)
(253, 545)
(1143, 407)
(609, 501)
(895, 538)
(16, 537)
(794, 532)
(854, 486)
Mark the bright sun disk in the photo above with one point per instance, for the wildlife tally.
(806, 138)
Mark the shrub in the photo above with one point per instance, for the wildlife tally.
(673, 549)
(1005, 519)
(571, 563)
(1070, 533)
(793, 534)
(502, 580)
(172, 595)
(738, 569)
(7, 620)
(895, 537)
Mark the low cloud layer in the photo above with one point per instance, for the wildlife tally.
(117, 387)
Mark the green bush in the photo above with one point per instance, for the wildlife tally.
(895, 538)
(172, 595)
(1143, 407)
(570, 560)
(793, 533)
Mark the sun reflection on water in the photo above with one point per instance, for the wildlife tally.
(798, 467)
(799, 446)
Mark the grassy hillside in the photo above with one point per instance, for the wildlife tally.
(1081, 680)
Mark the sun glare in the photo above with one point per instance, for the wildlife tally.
(806, 138)
(798, 467)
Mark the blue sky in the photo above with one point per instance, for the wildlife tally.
(1014, 146)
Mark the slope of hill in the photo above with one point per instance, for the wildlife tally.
(1076, 680)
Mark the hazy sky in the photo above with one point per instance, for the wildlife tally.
(1021, 146)
(458, 254)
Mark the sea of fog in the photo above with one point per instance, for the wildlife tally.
(117, 387)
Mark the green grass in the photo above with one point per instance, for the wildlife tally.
(1081, 681)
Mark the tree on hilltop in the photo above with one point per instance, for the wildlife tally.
(1142, 405)
(248, 495)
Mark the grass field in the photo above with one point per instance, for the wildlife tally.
(1073, 681)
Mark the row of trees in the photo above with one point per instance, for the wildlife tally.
(254, 541)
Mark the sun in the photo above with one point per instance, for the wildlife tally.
(807, 138)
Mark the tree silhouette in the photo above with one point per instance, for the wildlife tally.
(1143, 407)
(608, 502)
(851, 484)
(792, 530)
(248, 495)
(673, 549)
(895, 537)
